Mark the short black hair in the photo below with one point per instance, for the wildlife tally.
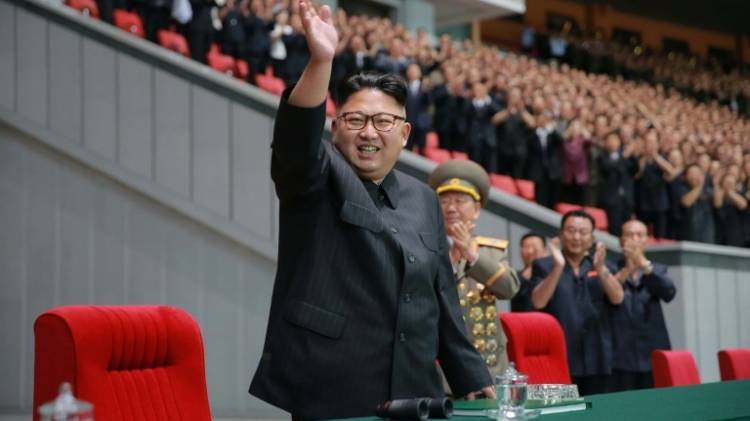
(390, 84)
(577, 213)
(533, 234)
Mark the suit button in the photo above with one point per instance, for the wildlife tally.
(381, 197)
(394, 230)
(411, 258)
(402, 338)
(407, 298)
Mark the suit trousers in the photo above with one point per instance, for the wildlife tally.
(418, 138)
(484, 155)
(623, 380)
(547, 192)
(592, 385)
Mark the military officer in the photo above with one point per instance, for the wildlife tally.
(481, 265)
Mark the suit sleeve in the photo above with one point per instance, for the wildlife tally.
(660, 284)
(493, 270)
(462, 365)
(299, 162)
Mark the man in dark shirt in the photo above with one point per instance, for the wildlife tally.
(580, 291)
(697, 219)
(533, 246)
(730, 211)
(638, 323)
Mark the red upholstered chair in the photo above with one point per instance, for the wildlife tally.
(173, 41)
(270, 84)
(460, 155)
(674, 368)
(600, 217)
(432, 141)
(526, 189)
(128, 22)
(331, 107)
(86, 7)
(563, 208)
(536, 344)
(734, 364)
(222, 62)
(131, 362)
(438, 155)
(504, 183)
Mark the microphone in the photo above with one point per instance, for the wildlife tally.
(416, 409)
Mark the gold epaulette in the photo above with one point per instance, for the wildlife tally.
(492, 242)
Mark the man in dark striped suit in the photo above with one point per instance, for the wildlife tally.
(365, 299)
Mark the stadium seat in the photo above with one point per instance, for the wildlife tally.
(243, 70)
(132, 362)
(460, 155)
(86, 7)
(653, 240)
(563, 208)
(128, 22)
(674, 368)
(432, 141)
(526, 189)
(504, 183)
(173, 41)
(438, 155)
(223, 63)
(734, 364)
(270, 84)
(600, 217)
(330, 106)
(536, 344)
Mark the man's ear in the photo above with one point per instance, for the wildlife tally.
(405, 133)
(478, 209)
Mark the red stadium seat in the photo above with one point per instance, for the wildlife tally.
(223, 63)
(432, 141)
(173, 41)
(331, 107)
(243, 70)
(86, 7)
(652, 240)
(563, 208)
(132, 362)
(734, 364)
(460, 155)
(438, 155)
(600, 217)
(536, 344)
(526, 189)
(504, 182)
(270, 84)
(128, 22)
(674, 368)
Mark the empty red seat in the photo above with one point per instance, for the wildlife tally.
(86, 7)
(270, 84)
(222, 62)
(526, 189)
(128, 22)
(243, 70)
(536, 343)
(564, 208)
(330, 106)
(173, 41)
(600, 217)
(652, 240)
(674, 368)
(432, 141)
(460, 155)
(438, 155)
(504, 182)
(734, 364)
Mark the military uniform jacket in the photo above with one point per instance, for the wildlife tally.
(364, 299)
(489, 278)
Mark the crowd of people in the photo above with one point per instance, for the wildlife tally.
(662, 137)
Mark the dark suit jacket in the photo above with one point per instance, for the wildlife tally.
(478, 123)
(638, 323)
(417, 108)
(365, 300)
(616, 179)
(544, 163)
(583, 310)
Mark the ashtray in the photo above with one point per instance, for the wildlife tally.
(527, 414)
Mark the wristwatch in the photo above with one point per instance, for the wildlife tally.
(649, 268)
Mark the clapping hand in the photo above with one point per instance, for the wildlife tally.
(462, 248)
(556, 253)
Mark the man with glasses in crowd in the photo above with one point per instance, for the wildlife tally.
(579, 291)
(365, 299)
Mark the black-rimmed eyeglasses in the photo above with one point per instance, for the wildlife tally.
(383, 122)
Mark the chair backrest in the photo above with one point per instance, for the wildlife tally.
(674, 368)
(600, 217)
(526, 189)
(173, 41)
(128, 22)
(536, 344)
(131, 362)
(734, 364)
(504, 183)
(86, 7)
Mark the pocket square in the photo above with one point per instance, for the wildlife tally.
(592, 274)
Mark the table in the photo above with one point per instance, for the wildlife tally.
(728, 400)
